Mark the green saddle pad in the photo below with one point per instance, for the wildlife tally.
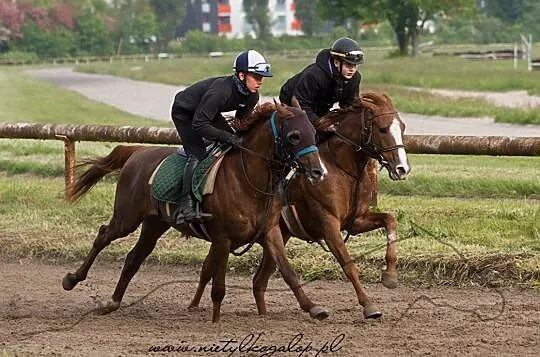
(167, 183)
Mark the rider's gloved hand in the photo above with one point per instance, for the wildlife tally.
(231, 139)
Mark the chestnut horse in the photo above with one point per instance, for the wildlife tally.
(371, 128)
(244, 202)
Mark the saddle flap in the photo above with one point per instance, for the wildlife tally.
(166, 181)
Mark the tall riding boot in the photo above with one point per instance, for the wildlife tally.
(186, 209)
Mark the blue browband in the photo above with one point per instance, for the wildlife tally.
(299, 153)
(305, 151)
(273, 122)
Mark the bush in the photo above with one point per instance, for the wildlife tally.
(60, 43)
(19, 56)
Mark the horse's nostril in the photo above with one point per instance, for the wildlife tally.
(401, 171)
(316, 173)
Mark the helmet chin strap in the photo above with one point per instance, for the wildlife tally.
(241, 84)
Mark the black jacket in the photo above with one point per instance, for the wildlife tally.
(319, 86)
(207, 99)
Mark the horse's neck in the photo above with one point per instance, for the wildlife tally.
(258, 167)
(338, 153)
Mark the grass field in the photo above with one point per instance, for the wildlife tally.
(391, 75)
(461, 219)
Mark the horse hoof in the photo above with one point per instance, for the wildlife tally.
(69, 281)
(389, 281)
(318, 313)
(107, 308)
(371, 312)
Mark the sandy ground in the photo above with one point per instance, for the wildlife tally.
(38, 316)
(153, 100)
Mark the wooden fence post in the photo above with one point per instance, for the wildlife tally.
(372, 174)
(69, 164)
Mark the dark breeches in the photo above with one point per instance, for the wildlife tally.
(193, 143)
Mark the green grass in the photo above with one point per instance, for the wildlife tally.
(391, 75)
(37, 222)
(467, 176)
(476, 205)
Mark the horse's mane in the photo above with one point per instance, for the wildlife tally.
(369, 100)
(260, 113)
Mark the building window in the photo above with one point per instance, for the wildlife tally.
(281, 23)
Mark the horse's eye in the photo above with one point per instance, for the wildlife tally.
(293, 137)
(383, 130)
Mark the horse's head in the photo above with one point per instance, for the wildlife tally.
(374, 127)
(295, 142)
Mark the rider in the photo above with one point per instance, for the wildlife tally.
(332, 78)
(196, 113)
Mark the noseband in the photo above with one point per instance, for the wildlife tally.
(281, 148)
(366, 142)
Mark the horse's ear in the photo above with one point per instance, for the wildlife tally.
(282, 109)
(295, 103)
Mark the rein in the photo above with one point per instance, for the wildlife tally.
(279, 169)
(366, 144)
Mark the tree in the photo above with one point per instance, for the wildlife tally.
(306, 11)
(508, 11)
(407, 17)
(5, 34)
(344, 12)
(257, 16)
(169, 14)
(93, 36)
(12, 19)
(529, 22)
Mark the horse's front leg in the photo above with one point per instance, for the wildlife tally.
(260, 280)
(333, 239)
(371, 221)
(274, 243)
(219, 255)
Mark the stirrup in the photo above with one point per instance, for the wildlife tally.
(200, 214)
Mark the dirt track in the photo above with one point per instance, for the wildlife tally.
(32, 302)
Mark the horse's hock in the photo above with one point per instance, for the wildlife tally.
(416, 144)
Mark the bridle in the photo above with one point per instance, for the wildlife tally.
(366, 142)
(284, 168)
(283, 160)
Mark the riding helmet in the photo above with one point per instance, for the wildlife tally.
(252, 61)
(346, 49)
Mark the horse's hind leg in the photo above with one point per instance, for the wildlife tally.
(204, 279)
(337, 247)
(107, 233)
(152, 229)
(374, 220)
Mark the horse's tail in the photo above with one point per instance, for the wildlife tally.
(101, 167)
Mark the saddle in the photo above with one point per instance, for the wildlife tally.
(166, 181)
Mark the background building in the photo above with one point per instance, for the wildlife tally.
(227, 17)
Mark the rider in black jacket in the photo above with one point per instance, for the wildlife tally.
(196, 113)
(333, 78)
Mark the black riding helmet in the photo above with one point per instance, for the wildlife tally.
(347, 50)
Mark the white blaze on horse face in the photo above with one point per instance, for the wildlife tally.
(395, 131)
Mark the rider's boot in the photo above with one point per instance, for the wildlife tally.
(187, 211)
